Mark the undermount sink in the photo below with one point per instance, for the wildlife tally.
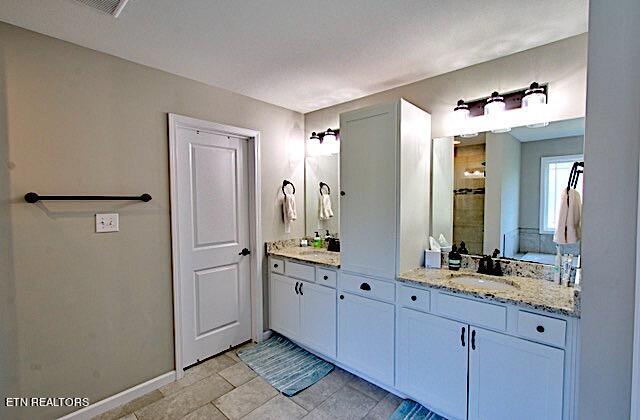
(483, 282)
(316, 253)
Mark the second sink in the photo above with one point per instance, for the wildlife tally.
(483, 282)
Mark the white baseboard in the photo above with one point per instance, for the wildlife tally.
(123, 397)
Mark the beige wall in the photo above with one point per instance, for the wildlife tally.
(562, 64)
(94, 312)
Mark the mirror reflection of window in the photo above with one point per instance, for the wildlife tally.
(555, 175)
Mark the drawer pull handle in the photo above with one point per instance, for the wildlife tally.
(473, 340)
(462, 336)
(326, 277)
(296, 288)
(540, 328)
(301, 284)
(275, 265)
(365, 286)
(341, 296)
(414, 298)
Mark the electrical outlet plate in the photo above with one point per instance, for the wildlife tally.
(107, 223)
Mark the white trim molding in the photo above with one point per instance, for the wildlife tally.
(255, 224)
(121, 398)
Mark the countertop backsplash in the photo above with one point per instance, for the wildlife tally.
(510, 267)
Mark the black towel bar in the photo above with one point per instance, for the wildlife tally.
(32, 197)
(287, 182)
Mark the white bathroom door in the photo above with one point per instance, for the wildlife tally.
(212, 194)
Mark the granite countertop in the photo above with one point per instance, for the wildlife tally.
(529, 292)
(308, 254)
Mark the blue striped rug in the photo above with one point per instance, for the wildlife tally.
(285, 365)
(411, 410)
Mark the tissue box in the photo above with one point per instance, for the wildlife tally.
(432, 259)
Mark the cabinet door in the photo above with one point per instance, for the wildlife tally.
(432, 357)
(368, 176)
(284, 306)
(318, 318)
(365, 336)
(511, 378)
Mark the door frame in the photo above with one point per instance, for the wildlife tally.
(255, 219)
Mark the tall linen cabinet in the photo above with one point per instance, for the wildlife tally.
(385, 160)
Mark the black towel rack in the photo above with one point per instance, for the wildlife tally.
(576, 170)
(32, 197)
(323, 184)
(285, 183)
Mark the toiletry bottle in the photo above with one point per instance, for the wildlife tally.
(317, 241)
(557, 266)
(567, 266)
(326, 238)
(463, 249)
(455, 259)
(304, 242)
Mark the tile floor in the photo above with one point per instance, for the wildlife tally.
(225, 388)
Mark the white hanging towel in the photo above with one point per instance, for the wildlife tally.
(289, 211)
(324, 207)
(568, 228)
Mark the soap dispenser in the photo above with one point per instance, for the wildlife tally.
(317, 241)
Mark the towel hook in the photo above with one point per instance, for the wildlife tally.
(287, 182)
(323, 184)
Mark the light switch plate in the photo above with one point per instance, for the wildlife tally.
(107, 223)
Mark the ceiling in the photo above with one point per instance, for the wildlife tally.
(306, 55)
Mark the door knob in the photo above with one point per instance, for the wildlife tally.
(244, 252)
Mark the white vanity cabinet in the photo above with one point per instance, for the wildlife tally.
(432, 361)
(519, 365)
(299, 308)
(284, 305)
(365, 336)
(512, 378)
(385, 160)
(318, 318)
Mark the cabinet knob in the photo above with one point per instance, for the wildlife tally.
(341, 296)
(365, 287)
(326, 277)
(342, 193)
(414, 298)
(540, 328)
(275, 265)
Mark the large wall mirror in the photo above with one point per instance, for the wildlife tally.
(503, 190)
(322, 192)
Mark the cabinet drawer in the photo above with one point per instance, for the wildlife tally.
(276, 265)
(299, 271)
(368, 287)
(542, 328)
(326, 277)
(477, 313)
(410, 297)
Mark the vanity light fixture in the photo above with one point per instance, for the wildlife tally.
(315, 139)
(494, 109)
(462, 114)
(534, 100)
(330, 135)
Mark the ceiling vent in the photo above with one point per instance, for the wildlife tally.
(111, 7)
